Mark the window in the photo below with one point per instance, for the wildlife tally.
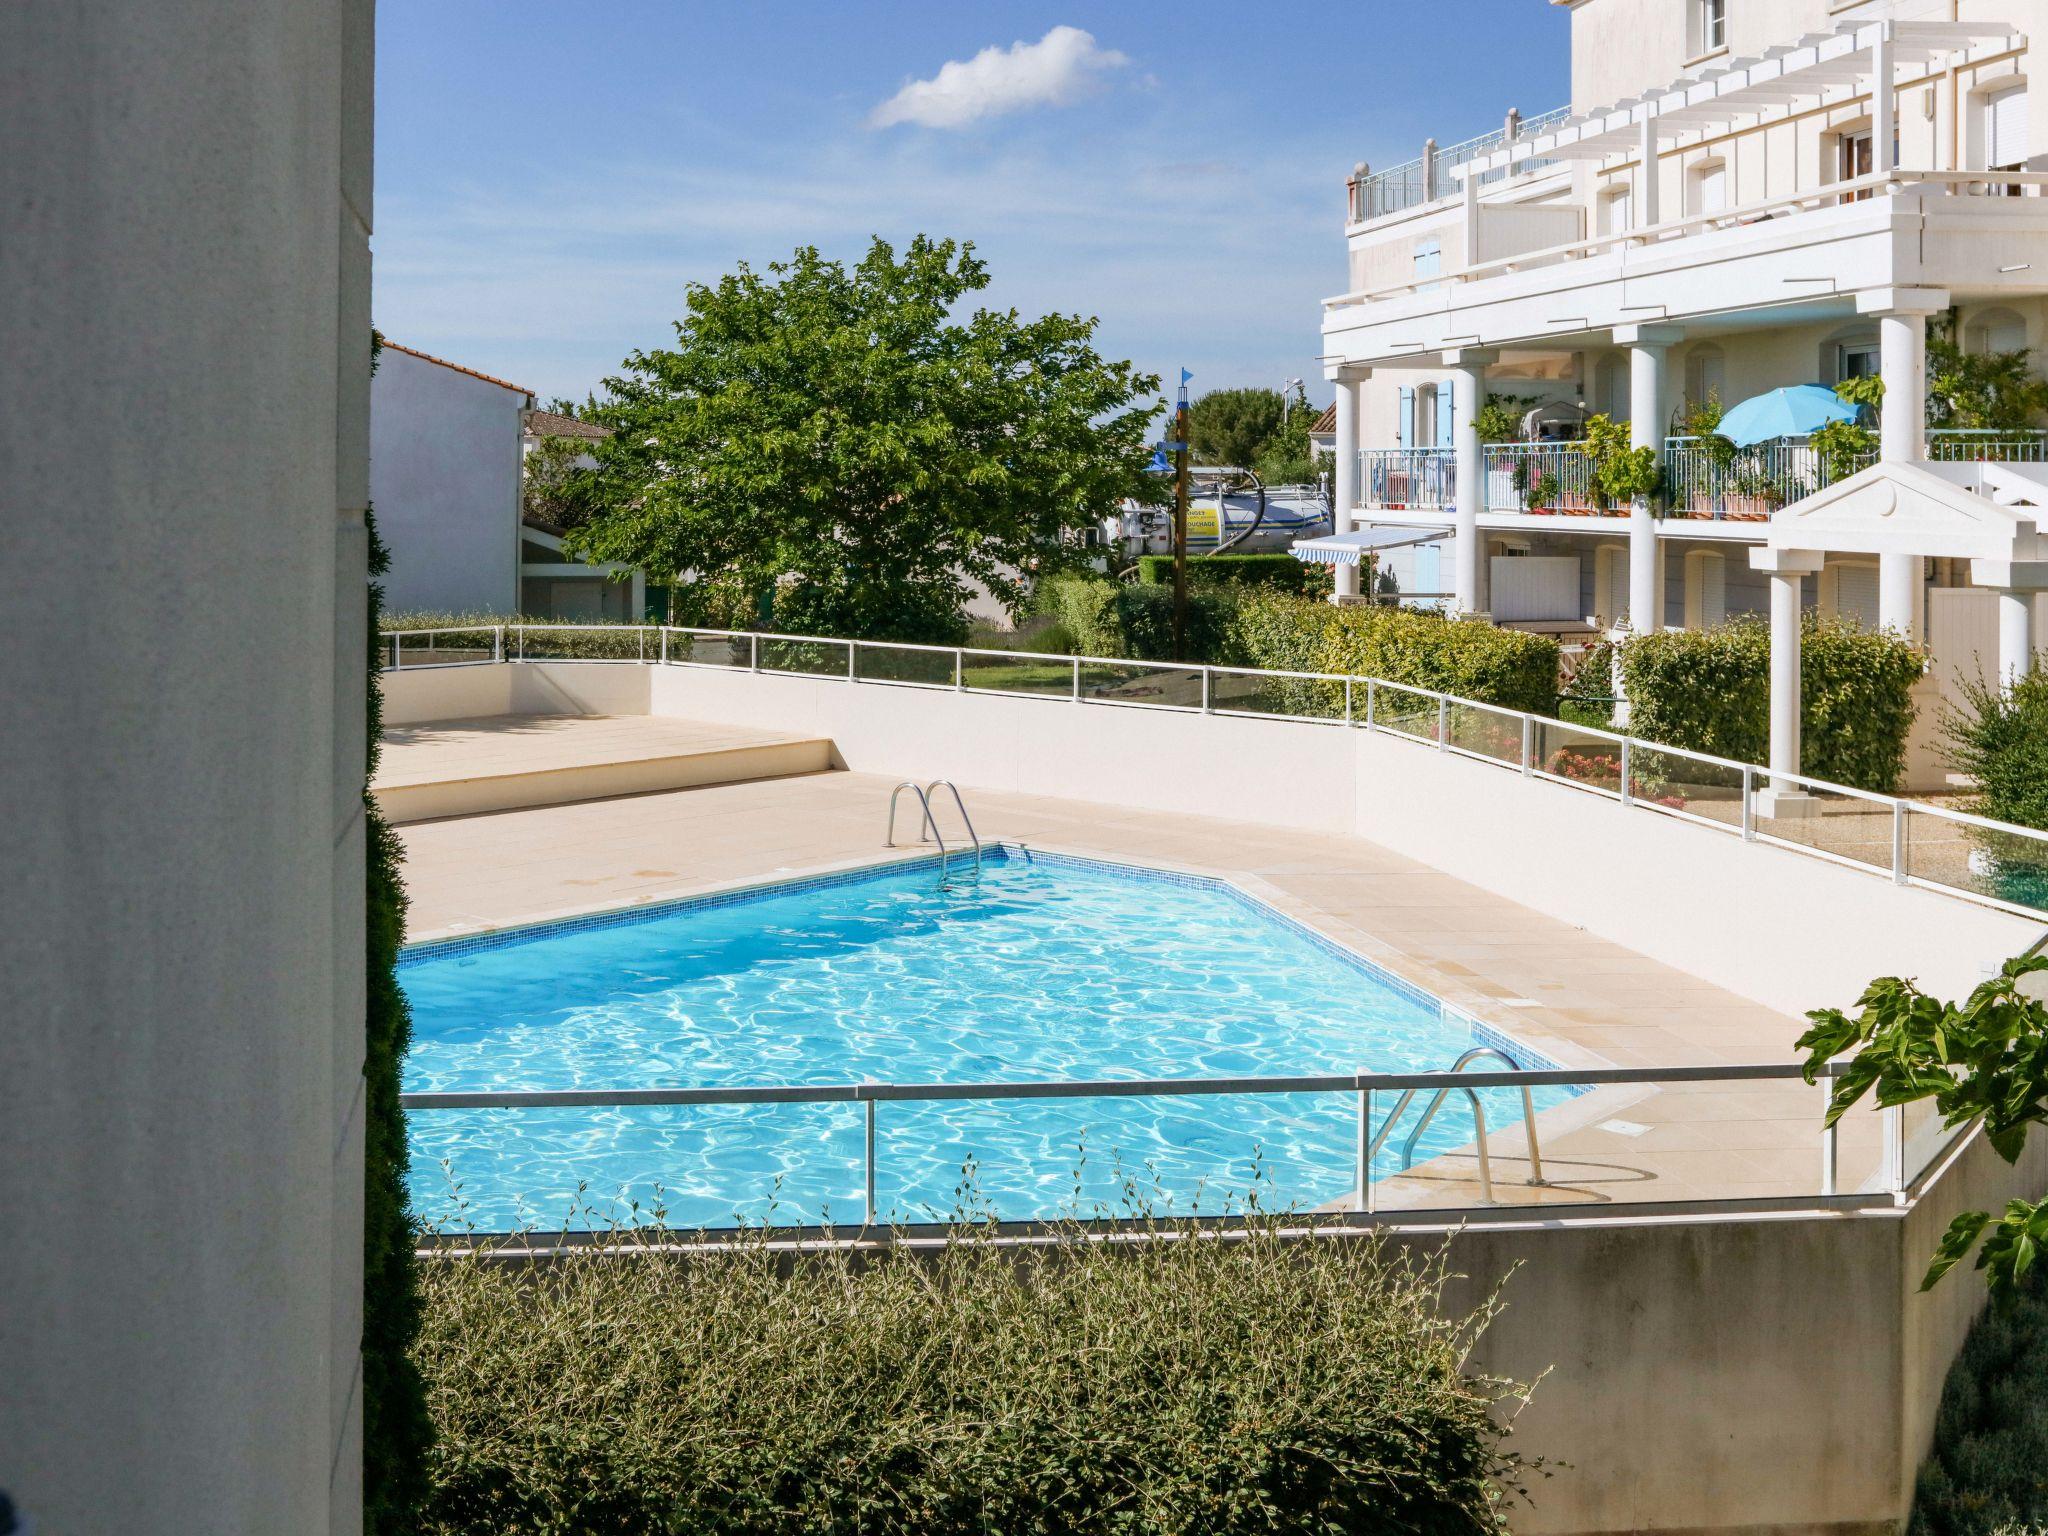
(1705, 375)
(1854, 158)
(1848, 589)
(1709, 26)
(1856, 360)
(1995, 330)
(1707, 186)
(2005, 135)
(1429, 259)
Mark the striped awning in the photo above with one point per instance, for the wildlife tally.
(1361, 544)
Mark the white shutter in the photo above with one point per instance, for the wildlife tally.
(1610, 583)
(1850, 592)
(1706, 589)
(2005, 128)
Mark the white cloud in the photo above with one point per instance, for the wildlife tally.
(1057, 69)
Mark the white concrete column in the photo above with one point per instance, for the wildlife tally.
(1649, 356)
(1344, 475)
(1468, 385)
(1645, 199)
(2015, 635)
(1901, 594)
(1902, 364)
(1471, 247)
(1788, 569)
(1883, 102)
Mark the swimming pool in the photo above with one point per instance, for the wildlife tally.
(1046, 968)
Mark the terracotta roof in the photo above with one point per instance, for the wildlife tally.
(428, 357)
(541, 423)
(1326, 423)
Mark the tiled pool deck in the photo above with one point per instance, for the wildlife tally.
(1572, 996)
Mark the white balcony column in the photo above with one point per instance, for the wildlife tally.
(1788, 570)
(1468, 384)
(1884, 125)
(1902, 421)
(1649, 357)
(2018, 583)
(1344, 477)
(1471, 241)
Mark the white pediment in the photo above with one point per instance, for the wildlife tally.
(1916, 509)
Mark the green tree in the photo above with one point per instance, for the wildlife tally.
(1986, 1059)
(552, 488)
(840, 444)
(1234, 426)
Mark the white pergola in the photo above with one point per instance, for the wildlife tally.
(1990, 515)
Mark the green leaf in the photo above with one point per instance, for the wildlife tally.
(1955, 1244)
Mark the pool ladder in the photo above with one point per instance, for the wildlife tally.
(929, 832)
(1477, 1053)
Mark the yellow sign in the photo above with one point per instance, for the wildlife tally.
(1201, 523)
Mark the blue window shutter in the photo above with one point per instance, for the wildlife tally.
(1446, 408)
(1404, 424)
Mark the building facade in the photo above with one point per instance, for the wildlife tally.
(1741, 196)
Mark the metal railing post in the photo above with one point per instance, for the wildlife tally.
(1206, 690)
(1748, 805)
(1443, 722)
(959, 672)
(397, 651)
(1627, 798)
(1830, 1141)
(1895, 1150)
(753, 653)
(1077, 680)
(664, 645)
(1347, 701)
(522, 641)
(1371, 701)
(1528, 745)
(497, 642)
(853, 661)
(1898, 842)
(1364, 1160)
(869, 1161)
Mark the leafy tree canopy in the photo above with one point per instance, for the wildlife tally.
(838, 443)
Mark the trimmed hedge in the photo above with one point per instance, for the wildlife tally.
(1176, 1385)
(1283, 572)
(1709, 690)
(1400, 645)
(2001, 740)
(1117, 619)
(1988, 1471)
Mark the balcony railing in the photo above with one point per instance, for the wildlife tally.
(1540, 477)
(1422, 180)
(1408, 477)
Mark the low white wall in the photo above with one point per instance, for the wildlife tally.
(523, 688)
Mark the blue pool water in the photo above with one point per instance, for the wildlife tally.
(1047, 968)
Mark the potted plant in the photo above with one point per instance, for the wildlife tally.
(1542, 494)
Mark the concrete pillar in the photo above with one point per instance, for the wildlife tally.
(1649, 355)
(1344, 476)
(1645, 200)
(1901, 594)
(1468, 384)
(2015, 635)
(1883, 103)
(1471, 243)
(1902, 363)
(1788, 569)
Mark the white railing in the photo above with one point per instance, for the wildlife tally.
(1408, 477)
(1706, 480)
(1907, 841)
(1540, 477)
(1897, 1166)
(1832, 195)
(1415, 182)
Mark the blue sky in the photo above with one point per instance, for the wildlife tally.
(551, 176)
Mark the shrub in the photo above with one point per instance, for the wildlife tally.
(1175, 1384)
(1282, 571)
(1085, 607)
(1988, 1470)
(2001, 740)
(1709, 690)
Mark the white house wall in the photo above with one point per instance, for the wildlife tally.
(445, 461)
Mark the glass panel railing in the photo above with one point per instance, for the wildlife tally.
(1576, 755)
(1130, 682)
(905, 664)
(440, 647)
(581, 642)
(692, 648)
(1678, 781)
(805, 658)
(1279, 695)
(1963, 854)
(1495, 734)
(1841, 823)
(1004, 672)
(1406, 711)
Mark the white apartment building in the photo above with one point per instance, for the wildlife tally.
(1741, 195)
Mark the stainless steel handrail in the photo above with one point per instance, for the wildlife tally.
(961, 805)
(931, 824)
(1476, 1053)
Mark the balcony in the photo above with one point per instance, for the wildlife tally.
(1421, 180)
(1703, 481)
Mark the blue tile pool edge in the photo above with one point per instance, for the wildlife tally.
(1525, 1057)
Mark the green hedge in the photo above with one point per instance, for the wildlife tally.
(2001, 741)
(1174, 1385)
(1709, 690)
(1117, 619)
(1988, 1470)
(1280, 571)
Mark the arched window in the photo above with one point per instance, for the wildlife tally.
(1849, 354)
(1994, 330)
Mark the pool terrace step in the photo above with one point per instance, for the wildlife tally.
(438, 768)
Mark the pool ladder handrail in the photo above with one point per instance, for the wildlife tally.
(930, 830)
(1476, 1053)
